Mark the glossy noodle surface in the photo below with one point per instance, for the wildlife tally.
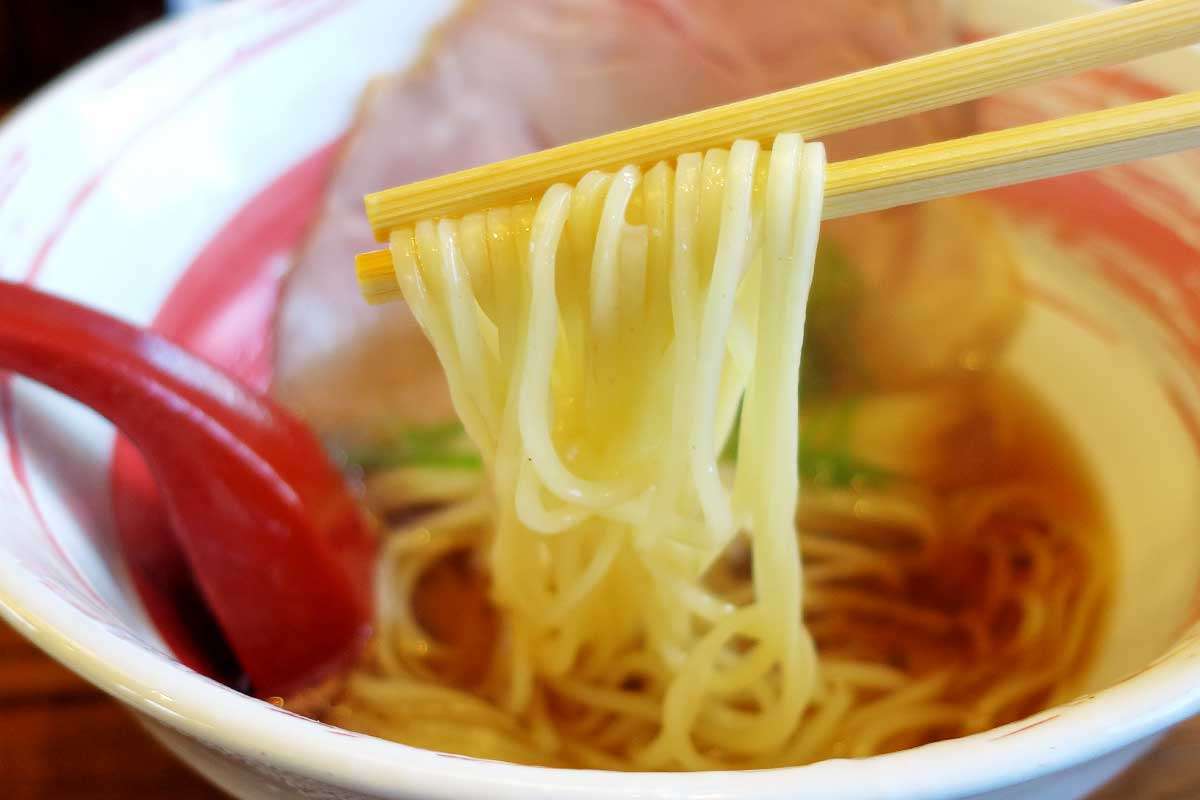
(640, 550)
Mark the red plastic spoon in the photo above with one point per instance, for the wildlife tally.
(276, 542)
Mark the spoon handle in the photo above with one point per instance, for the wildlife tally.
(278, 546)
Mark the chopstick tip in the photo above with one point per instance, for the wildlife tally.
(376, 277)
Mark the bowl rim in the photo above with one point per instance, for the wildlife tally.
(241, 726)
(1141, 706)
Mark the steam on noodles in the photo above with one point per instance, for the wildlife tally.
(638, 602)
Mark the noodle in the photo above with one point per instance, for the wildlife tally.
(650, 606)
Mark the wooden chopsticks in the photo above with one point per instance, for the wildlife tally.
(895, 90)
(819, 109)
(1014, 155)
(958, 166)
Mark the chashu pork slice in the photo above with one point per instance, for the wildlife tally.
(503, 78)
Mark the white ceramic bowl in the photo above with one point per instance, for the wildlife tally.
(166, 180)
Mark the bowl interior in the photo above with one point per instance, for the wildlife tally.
(168, 180)
(167, 183)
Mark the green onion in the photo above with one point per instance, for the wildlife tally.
(832, 464)
(443, 446)
(833, 304)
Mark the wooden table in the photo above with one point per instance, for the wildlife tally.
(60, 739)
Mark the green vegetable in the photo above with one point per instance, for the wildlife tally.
(447, 447)
(827, 461)
(444, 446)
(839, 469)
(825, 455)
(828, 329)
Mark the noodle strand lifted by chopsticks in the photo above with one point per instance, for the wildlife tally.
(598, 346)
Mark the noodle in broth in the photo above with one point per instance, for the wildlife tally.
(617, 594)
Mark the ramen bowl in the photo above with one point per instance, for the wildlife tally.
(168, 180)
